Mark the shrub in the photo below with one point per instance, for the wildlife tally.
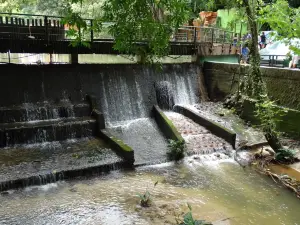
(176, 150)
(285, 155)
(145, 199)
(189, 220)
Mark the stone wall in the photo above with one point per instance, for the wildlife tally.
(283, 84)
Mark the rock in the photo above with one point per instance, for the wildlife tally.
(271, 151)
(218, 155)
(4, 193)
(264, 152)
(197, 157)
(73, 189)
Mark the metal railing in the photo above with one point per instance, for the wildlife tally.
(203, 34)
(273, 60)
(52, 28)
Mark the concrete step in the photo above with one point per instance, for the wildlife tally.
(46, 130)
(43, 111)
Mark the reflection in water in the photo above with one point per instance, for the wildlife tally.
(217, 190)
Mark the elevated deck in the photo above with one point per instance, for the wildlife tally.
(24, 33)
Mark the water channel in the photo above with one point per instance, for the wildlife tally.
(218, 190)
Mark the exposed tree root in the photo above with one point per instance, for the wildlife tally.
(261, 166)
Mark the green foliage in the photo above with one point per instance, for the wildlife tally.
(285, 155)
(268, 113)
(283, 19)
(145, 199)
(189, 220)
(150, 21)
(176, 150)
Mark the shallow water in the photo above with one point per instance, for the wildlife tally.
(23, 161)
(219, 191)
(145, 137)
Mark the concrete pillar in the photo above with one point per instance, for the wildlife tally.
(74, 58)
(201, 80)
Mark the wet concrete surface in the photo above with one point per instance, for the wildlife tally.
(225, 117)
(198, 139)
(50, 157)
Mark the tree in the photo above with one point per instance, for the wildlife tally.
(149, 21)
(285, 20)
(252, 85)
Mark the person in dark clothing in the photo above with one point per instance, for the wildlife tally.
(263, 40)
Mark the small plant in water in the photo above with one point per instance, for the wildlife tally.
(285, 155)
(188, 219)
(176, 150)
(145, 199)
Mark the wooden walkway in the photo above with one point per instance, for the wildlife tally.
(24, 33)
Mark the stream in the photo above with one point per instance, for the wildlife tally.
(218, 190)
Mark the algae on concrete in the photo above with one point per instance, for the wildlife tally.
(166, 125)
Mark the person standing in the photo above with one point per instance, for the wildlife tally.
(245, 53)
(295, 61)
(235, 40)
(263, 40)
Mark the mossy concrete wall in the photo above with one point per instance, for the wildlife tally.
(283, 85)
(118, 146)
(165, 125)
(289, 123)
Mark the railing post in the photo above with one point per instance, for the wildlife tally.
(46, 28)
(195, 40)
(212, 35)
(92, 31)
(195, 35)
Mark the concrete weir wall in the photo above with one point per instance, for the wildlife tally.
(283, 84)
(123, 91)
(283, 87)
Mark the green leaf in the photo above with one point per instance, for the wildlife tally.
(188, 218)
(189, 206)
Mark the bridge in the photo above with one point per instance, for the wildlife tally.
(26, 33)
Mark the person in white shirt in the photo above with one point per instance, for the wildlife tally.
(295, 61)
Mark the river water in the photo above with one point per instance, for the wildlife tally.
(219, 191)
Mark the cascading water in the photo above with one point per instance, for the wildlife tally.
(43, 122)
(199, 140)
(122, 99)
(184, 85)
(127, 101)
(144, 136)
(130, 93)
(164, 95)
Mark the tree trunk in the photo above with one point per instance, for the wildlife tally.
(255, 83)
(273, 140)
(255, 87)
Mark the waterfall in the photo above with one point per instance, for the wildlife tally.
(184, 82)
(129, 93)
